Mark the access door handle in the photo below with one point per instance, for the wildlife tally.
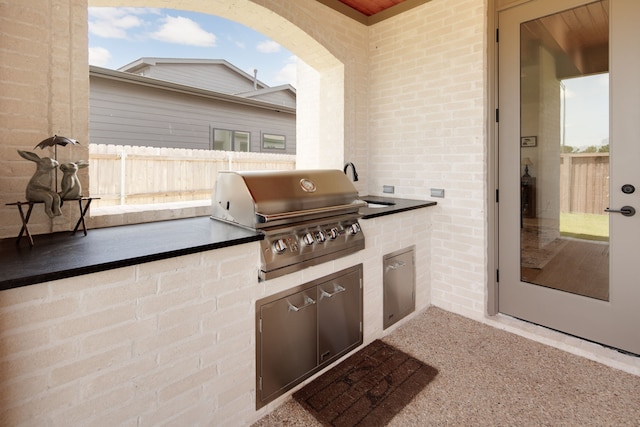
(336, 290)
(625, 210)
(395, 265)
(307, 302)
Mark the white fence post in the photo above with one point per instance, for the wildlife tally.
(123, 180)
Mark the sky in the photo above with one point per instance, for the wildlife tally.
(121, 35)
(587, 111)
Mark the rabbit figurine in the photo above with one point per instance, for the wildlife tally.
(39, 186)
(70, 185)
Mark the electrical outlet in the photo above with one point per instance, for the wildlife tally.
(388, 189)
(437, 192)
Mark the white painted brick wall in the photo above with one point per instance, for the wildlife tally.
(43, 91)
(427, 131)
(171, 341)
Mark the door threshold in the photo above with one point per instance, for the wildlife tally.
(614, 358)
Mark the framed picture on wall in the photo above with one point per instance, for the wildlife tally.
(528, 141)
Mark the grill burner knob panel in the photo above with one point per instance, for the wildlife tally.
(279, 246)
(354, 228)
(308, 239)
(333, 233)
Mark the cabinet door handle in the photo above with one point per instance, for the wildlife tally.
(395, 265)
(336, 290)
(307, 302)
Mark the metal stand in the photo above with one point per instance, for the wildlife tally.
(25, 217)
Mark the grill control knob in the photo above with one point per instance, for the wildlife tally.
(320, 236)
(279, 246)
(308, 239)
(354, 228)
(333, 233)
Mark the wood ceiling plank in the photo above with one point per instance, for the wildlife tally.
(370, 7)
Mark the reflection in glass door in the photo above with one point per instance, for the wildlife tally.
(564, 151)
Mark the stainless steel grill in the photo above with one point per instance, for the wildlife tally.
(308, 216)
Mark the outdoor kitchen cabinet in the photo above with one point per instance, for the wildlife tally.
(339, 316)
(399, 285)
(288, 345)
(301, 330)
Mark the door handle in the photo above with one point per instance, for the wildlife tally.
(307, 302)
(625, 210)
(395, 265)
(336, 290)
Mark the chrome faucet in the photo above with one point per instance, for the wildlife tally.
(353, 167)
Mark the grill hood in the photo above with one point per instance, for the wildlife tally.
(260, 199)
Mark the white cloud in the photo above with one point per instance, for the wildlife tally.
(181, 30)
(99, 56)
(268, 46)
(237, 43)
(288, 73)
(114, 22)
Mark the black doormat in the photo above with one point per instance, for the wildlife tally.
(367, 389)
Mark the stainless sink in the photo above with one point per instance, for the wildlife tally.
(378, 204)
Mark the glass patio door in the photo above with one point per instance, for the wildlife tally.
(569, 142)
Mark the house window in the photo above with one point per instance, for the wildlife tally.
(271, 141)
(231, 140)
(241, 141)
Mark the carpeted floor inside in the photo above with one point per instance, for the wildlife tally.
(491, 377)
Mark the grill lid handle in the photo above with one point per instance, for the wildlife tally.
(264, 218)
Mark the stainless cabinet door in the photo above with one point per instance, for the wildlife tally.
(339, 315)
(288, 346)
(399, 285)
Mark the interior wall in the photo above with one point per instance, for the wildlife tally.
(548, 180)
(540, 117)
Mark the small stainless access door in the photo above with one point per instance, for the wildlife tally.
(399, 283)
(288, 346)
(339, 316)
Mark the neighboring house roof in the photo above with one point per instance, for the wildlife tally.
(259, 92)
(216, 75)
(281, 95)
(100, 72)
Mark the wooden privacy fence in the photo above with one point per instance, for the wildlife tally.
(584, 183)
(126, 175)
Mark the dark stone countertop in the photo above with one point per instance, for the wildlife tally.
(61, 255)
(394, 206)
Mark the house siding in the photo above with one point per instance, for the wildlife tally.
(127, 114)
(213, 77)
